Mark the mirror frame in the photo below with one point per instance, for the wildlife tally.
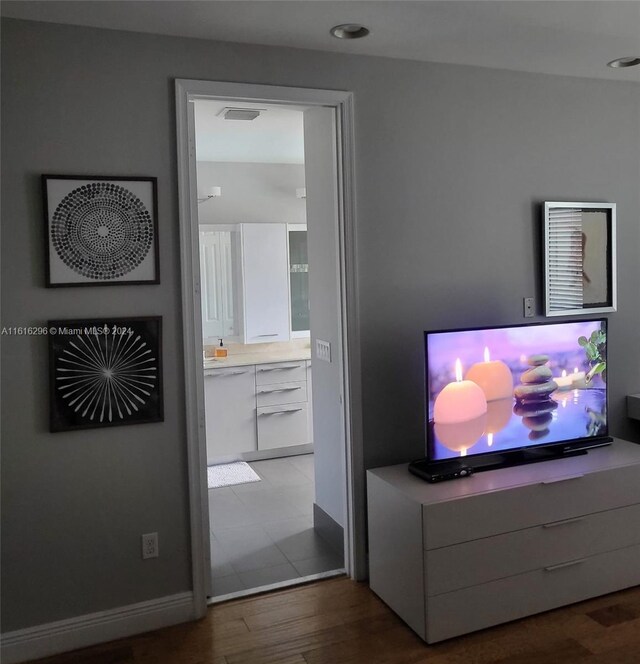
(612, 294)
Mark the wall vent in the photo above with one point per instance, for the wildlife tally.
(240, 113)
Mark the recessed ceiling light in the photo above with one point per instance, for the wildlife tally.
(624, 62)
(349, 31)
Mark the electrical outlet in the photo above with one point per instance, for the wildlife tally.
(150, 545)
(323, 350)
(528, 306)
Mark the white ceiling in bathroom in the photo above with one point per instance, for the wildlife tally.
(569, 37)
(275, 137)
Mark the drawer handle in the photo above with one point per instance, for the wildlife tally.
(571, 563)
(282, 412)
(267, 335)
(563, 523)
(227, 373)
(282, 389)
(562, 479)
(291, 366)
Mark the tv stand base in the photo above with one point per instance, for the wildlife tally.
(537, 537)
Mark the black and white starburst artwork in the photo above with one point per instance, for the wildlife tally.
(105, 373)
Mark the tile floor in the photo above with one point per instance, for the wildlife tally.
(262, 532)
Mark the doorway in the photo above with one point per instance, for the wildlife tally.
(308, 471)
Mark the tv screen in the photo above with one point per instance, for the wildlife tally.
(493, 390)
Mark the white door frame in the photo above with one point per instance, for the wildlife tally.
(187, 91)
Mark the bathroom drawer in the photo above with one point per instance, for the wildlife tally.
(230, 372)
(282, 426)
(280, 372)
(513, 597)
(280, 393)
(472, 563)
(554, 499)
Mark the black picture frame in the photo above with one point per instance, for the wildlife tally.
(99, 229)
(105, 372)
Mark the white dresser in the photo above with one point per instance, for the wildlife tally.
(459, 556)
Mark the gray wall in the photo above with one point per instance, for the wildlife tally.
(451, 163)
(251, 193)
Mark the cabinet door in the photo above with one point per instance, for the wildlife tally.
(230, 408)
(266, 283)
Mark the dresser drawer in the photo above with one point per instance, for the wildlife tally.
(470, 609)
(282, 426)
(555, 499)
(472, 563)
(280, 393)
(281, 372)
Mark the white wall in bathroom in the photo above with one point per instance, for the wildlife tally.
(251, 193)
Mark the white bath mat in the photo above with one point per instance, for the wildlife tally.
(227, 474)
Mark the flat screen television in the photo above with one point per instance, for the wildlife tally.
(504, 395)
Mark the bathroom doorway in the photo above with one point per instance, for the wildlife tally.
(264, 196)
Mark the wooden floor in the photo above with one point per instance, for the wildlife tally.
(342, 622)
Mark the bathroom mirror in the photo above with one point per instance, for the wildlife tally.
(579, 258)
(219, 279)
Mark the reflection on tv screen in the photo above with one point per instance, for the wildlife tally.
(497, 389)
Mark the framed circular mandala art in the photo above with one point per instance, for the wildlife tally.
(101, 230)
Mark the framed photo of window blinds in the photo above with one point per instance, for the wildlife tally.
(579, 258)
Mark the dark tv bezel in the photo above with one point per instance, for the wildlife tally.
(501, 457)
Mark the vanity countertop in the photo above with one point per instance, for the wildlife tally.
(245, 359)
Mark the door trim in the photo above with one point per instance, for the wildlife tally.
(187, 91)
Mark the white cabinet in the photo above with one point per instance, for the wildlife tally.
(504, 544)
(265, 271)
(254, 282)
(255, 412)
(283, 404)
(230, 407)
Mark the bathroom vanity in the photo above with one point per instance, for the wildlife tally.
(258, 409)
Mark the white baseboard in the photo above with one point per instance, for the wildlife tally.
(92, 628)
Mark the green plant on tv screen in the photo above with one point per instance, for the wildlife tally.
(596, 349)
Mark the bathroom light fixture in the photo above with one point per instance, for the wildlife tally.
(618, 63)
(214, 192)
(349, 31)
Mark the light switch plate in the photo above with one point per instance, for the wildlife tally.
(528, 307)
(323, 350)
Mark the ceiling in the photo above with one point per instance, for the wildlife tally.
(275, 137)
(575, 38)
